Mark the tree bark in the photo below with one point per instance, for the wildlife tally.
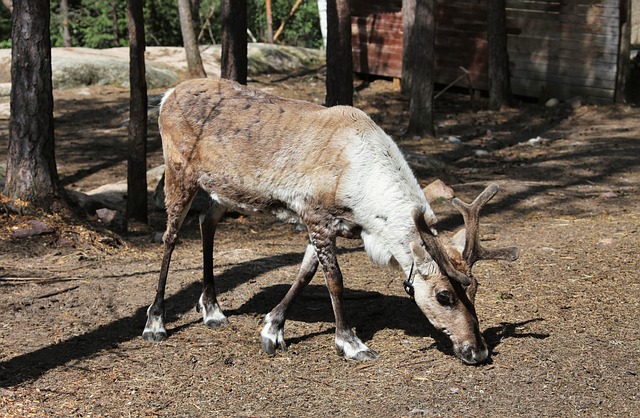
(234, 40)
(66, 35)
(114, 23)
(339, 54)
(499, 79)
(269, 22)
(195, 15)
(420, 64)
(137, 140)
(408, 20)
(31, 165)
(194, 60)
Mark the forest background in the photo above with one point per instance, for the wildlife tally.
(103, 23)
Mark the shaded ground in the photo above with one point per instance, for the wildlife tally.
(561, 322)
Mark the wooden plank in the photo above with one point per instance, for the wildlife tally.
(588, 81)
(570, 23)
(367, 7)
(555, 4)
(585, 39)
(533, 88)
(519, 43)
(564, 54)
(597, 3)
(389, 22)
(541, 6)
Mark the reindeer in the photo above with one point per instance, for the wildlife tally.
(332, 170)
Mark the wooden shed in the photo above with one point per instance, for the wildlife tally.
(557, 48)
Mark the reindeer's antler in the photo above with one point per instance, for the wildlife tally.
(436, 250)
(473, 250)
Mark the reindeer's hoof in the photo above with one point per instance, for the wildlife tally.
(272, 335)
(154, 337)
(363, 355)
(212, 315)
(366, 355)
(269, 345)
(354, 349)
(216, 322)
(154, 330)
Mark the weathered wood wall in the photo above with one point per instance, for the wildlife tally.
(635, 23)
(376, 28)
(557, 48)
(564, 47)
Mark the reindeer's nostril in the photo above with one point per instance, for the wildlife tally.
(472, 355)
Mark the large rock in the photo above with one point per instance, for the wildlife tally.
(165, 66)
(76, 67)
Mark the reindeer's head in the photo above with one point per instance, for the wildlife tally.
(445, 291)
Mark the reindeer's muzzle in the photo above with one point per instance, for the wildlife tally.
(472, 354)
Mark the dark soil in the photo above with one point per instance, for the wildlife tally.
(561, 322)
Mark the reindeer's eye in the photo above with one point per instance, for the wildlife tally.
(445, 298)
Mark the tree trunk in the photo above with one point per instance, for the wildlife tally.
(66, 35)
(31, 164)
(339, 54)
(499, 80)
(114, 23)
(421, 47)
(137, 161)
(234, 40)
(269, 22)
(408, 20)
(194, 61)
(195, 15)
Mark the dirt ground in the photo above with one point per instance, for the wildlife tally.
(561, 322)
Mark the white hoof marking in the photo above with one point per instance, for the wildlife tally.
(215, 316)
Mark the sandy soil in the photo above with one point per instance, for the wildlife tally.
(561, 322)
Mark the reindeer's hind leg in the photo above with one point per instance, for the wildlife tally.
(273, 330)
(212, 315)
(178, 198)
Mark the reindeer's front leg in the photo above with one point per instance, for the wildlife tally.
(273, 330)
(347, 343)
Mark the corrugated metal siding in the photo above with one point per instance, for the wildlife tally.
(560, 48)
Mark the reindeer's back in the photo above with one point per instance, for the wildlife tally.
(256, 149)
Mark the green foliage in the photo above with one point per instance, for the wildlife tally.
(303, 29)
(103, 23)
(162, 23)
(5, 27)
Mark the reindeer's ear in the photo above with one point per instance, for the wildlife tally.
(419, 253)
(420, 257)
(459, 239)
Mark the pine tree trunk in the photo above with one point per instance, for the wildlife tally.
(408, 20)
(234, 40)
(194, 61)
(339, 53)
(499, 80)
(31, 164)
(66, 35)
(421, 47)
(137, 161)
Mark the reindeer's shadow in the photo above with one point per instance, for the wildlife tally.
(370, 312)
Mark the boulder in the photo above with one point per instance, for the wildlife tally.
(437, 190)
